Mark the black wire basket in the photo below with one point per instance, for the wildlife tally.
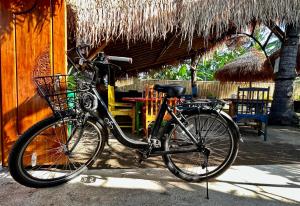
(60, 91)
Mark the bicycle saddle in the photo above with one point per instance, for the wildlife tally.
(172, 90)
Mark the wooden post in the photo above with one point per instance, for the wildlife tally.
(194, 77)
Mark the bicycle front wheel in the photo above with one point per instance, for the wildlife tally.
(214, 133)
(54, 151)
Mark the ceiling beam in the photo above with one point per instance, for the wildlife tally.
(168, 44)
(276, 30)
(95, 51)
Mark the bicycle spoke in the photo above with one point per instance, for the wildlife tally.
(54, 162)
(216, 138)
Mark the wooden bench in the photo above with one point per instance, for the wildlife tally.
(252, 103)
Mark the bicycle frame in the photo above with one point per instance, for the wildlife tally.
(147, 146)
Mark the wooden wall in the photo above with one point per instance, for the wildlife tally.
(33, 42)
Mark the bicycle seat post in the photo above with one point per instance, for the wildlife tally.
(153, 137)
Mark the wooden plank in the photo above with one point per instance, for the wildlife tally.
(59, 37)
(46, 57)
(32, 48)
(26, 46)
(1, 145)
(8, 90)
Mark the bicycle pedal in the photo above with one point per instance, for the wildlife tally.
(156, 143)
(140, 161)
(139, 156)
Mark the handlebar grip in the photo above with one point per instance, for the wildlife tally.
(120, 59)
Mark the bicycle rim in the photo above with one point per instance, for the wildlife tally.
(216, 137)
(45, 158)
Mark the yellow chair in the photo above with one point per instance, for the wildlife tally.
(120, 109)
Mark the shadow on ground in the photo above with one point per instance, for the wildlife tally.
(240, 185)
(282, 147)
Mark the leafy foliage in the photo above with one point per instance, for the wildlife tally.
(207, 67)
(261, 34)
(182, 72)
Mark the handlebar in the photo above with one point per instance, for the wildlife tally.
(96, 62)
(120, 59)
(104, 58)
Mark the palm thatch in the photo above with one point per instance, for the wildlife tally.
(250, 67)
(151, 56)
(96, 21)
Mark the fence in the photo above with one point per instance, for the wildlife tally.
(205, 88)
(297, 90)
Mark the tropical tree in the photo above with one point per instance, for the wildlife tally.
(207, 66)
(205, 69)
(282, 110)
(181, 72)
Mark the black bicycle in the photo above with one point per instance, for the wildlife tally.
(199, 143)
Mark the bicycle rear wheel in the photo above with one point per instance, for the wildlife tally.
(216, 135)
(54, 151)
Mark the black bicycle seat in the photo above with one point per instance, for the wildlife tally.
(172, 90)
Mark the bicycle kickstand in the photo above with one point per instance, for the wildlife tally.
(206, 153)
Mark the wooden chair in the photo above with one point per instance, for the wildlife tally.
(152, 105)
(120, 108)
(252, 103)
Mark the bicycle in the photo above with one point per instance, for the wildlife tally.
(198, 143)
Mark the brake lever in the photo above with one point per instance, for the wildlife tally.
(81, 61)
(84, 46)
(107, 63)
(120, 69)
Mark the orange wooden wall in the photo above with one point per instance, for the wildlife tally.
(33, 42)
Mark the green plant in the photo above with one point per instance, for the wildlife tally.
(210, 96)
(71, 83)
(207, 66)
(205, 69)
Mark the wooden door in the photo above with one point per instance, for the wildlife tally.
(33, 42)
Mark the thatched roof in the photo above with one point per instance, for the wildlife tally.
(159, 32)
(96, 21)
(250, 67)
(161, 52)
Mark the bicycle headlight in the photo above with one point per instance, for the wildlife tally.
(89, 101)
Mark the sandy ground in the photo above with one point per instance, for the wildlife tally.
(265, 173)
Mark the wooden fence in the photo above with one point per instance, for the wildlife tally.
(205, 88)
(297, 90)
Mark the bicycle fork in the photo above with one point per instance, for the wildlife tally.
(81, 129)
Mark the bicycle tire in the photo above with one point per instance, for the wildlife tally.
(18, 168)
(171, 161)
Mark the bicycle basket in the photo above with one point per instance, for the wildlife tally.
(60, 91)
